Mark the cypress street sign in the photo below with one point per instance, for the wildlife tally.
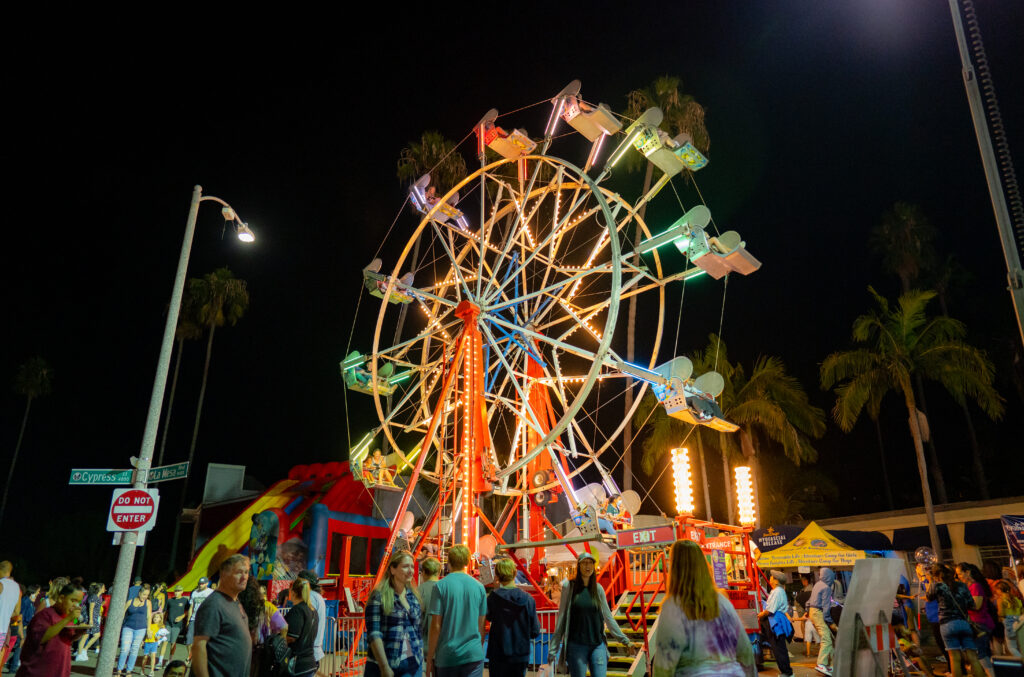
(100, 476)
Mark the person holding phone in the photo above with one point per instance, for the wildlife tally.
(47, 651)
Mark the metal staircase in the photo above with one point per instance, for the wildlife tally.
(637, 615)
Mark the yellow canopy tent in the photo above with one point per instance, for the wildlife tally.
(814, 547)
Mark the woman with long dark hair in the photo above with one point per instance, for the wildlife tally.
(699, 631)
(583, 614)
(393, 615)
(980, 611)
(954, 599)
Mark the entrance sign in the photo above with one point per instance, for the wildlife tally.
(635, 538)
(133, 510)
(100, 476)
(168, 472)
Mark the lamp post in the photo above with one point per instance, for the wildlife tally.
(126, 558)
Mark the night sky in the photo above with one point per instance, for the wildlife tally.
(821, 116)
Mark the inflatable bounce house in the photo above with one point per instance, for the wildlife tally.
(319, 518)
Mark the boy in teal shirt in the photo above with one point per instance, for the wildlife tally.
(458, 607)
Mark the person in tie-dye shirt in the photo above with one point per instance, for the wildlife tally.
(699, 632)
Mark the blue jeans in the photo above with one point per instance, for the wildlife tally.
(578, 657)
(464, 670)
(410, 667)
(131, 640)
(957, 635)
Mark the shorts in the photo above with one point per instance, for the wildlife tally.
(190, 634)
(149, 649)
(958, 636)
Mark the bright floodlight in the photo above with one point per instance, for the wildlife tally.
(744, 495)
(681, 479)
(244, 233)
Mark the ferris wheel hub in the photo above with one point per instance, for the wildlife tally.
(467, 311)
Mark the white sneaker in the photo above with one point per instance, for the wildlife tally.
(940, 659)
(82, 656)
(823, 669)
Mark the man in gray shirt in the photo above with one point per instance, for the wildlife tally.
(223, 646)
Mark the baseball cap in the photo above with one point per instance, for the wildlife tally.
(314, 580)
(586, 555)
(204, 579)
(178, 588)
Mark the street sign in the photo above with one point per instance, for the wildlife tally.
(176, 471)
(100, 476)
(133, 510)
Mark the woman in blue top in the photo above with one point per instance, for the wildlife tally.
(780, 629)
(137, 614)
(393, 622)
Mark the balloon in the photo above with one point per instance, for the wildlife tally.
(925, 555)
(408, 519)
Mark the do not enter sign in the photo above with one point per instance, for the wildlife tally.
(133, 510)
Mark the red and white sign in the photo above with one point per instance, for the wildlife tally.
(133, 510)
(637, 538)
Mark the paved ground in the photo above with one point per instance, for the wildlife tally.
(803, 666)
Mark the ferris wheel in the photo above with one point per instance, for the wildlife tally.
(496, 364)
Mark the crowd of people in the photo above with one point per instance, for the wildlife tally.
(227, 629)
(969, 616)
(438, 627)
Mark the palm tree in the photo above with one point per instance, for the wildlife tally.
(769, 405)
(218, 298)
(904, 241)
(681, 114)
(188, 329)
(435, 154)
(901, 343)
(34, 380)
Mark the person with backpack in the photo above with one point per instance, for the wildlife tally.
(302, 631)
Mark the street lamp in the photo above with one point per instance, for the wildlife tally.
(126, 558)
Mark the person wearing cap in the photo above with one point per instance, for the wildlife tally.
(177, 610)
(583, 614)
(316, 601)
(776, 618)
(196, 600)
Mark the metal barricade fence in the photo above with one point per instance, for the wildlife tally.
(339, 659)
(338, 662)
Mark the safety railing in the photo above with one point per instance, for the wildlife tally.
(341, 659)
(645, 569)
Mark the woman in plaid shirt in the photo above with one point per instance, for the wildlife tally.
(393, 622)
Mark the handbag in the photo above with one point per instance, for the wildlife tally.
(977, 629)
(562, 667)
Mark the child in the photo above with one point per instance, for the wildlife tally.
(156, 634)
